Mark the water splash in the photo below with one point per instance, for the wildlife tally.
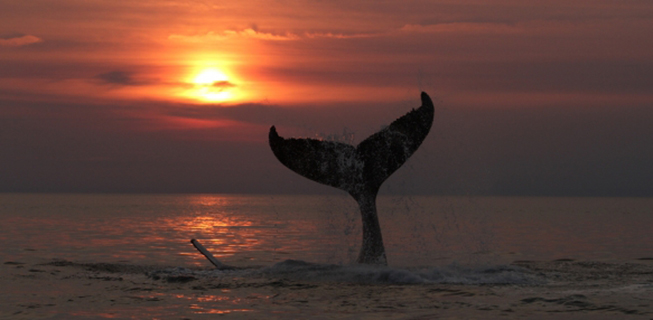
(306, 272)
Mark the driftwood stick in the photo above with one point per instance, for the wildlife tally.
(208, 255)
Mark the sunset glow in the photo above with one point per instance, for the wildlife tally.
(147, 90)
(210, 77)
(211, 85)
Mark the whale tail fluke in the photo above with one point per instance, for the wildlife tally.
(359, 170)
(362, 168)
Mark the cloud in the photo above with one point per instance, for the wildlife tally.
(463, 28)
(18, 40)
(222, 84)
(255, 34)
(249, 33)
(252, 33)
(313, 35)
(118, 78)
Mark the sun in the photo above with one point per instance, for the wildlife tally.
(211, 85)
(209, 76)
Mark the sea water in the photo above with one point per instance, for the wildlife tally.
(298, 252)
(260, 230)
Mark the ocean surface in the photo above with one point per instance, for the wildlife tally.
(260, 230)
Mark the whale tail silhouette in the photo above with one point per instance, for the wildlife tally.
(359, 170)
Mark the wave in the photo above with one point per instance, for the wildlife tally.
(298, 270)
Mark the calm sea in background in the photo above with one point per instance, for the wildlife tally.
(264, 229)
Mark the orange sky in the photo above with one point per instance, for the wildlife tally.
(310, 51)
(171, 67)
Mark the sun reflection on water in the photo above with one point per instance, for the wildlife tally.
(202, 310)
(239, 230)
(217, 222)
(210, 304)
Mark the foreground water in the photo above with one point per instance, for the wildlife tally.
(260, 230)
(129, 257)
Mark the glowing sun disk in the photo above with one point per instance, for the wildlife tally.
(211, 85)
(209, 77)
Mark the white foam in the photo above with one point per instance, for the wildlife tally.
(297, 270)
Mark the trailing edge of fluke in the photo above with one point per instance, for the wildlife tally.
(359, 170)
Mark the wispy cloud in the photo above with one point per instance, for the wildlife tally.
(231, 34)
(121, 78)
(252, 33)
(222, 84)
(463, 27)
(116, 77)
(18, 40)
(340, 35)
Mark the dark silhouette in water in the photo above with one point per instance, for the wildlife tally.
(359, 170)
